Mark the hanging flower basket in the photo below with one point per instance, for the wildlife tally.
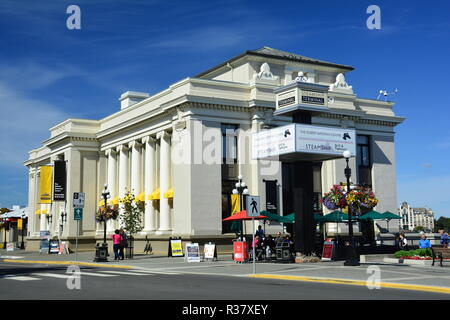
(360, 199)
(104, 214)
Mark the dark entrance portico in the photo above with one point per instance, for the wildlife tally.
(302, 147)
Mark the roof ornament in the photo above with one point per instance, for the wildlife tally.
(301, 77)
(341, 84)
(265, 73)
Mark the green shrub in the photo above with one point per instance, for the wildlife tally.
(419, 252)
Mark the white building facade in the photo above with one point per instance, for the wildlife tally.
(181, 150)
(415, 217)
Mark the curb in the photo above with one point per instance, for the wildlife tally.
(69, 263)
(443, 290)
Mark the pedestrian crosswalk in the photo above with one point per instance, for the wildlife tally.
(92, 273)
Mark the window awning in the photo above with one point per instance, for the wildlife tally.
(141, 197)
(155, 195)
(169, 193)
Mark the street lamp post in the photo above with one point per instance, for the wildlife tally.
(101, 252)
(352, 258)
(22, 244)
(241, 189)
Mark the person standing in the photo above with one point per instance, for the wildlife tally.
(123, 243)
(117, 240)
(260, 233)
(444, 238)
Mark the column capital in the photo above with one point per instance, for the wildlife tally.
(134, 144)
(122, 147)
(148, 139)
(110, 151)
(163, 135)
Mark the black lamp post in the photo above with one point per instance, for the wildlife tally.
(241, 189)
(101, 252)
(352, 255)
(22, 244)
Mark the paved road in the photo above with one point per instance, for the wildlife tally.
(38, 281)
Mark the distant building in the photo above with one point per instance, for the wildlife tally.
(415, 217)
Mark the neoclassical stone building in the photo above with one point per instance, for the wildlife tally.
(181, 150)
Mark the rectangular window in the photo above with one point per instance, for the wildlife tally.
(363, 160)
(229, 143)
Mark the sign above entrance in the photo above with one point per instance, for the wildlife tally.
(300, 95)
(300, 140)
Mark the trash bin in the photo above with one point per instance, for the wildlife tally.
(283, 252)
(101, 252)
(130, 248)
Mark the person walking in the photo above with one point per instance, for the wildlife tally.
(123, 243)
(117, 240)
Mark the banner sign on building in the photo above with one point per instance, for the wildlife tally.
(59, 181)
(271, 196)
(45, 191)
(303, 138)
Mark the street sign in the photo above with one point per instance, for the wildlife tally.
(78, 213)
(78, 199)
(253, 206)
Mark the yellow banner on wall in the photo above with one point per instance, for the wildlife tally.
(19, 224)
(45, 194)
(235, 204)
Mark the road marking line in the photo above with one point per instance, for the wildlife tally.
(125, 273)
(154, 272)
(19, 278)
(51, 275)
(413, 287)
(68, 263)
(93, 274)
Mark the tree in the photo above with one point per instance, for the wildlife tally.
(4, 210)
(442, 223)
(132, 215)
(419, 229)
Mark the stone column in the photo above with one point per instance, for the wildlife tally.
(32, 206)
(123, 173)
(149, 183)
(164, 182)
(136, 185)
(111, 182)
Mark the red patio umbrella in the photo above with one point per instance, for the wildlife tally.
(242, 215)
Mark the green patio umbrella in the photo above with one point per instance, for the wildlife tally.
(335, 216)
(373, 215)
(389, 215)
(272, 216)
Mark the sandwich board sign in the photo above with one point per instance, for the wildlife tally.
(192, 252)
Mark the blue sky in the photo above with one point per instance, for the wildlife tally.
(49, 73)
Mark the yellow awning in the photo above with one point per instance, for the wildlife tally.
(38, 212)
(45, 211)
(155, 195)
(141, 197)
(169, 193)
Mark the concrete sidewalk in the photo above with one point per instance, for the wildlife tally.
(372, 273)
